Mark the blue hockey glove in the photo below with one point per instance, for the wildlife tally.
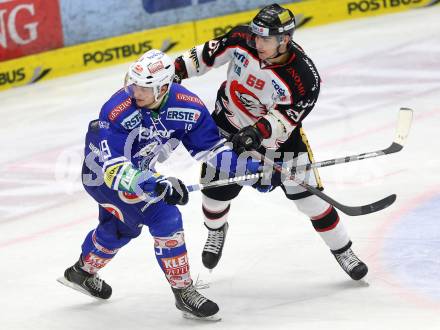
(156, 186)
(173, 190)
(268, 182)
(228, 161)
(263, 188)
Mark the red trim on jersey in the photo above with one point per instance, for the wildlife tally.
(265, 133)
(290, 60)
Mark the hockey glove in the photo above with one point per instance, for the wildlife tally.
(180, 70)
(263, 188)
(268, 183)
(250, 137)
(229, 162)
(173, 190)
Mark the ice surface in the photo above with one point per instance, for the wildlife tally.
(276, 273)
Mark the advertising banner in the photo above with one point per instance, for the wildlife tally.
(93, 55)
(312, 13)
(29, 27)
(85, 20)
(177, 38)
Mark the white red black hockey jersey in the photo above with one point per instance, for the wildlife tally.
(283, 94)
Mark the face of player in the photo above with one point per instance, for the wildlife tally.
(267, 47)
(144, 96)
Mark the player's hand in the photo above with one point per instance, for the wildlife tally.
(173, 190)
(248, 138)
(263, 188)
(269, 181)
(180, 70)
(177, 79)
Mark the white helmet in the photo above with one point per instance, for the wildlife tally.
(153, 69)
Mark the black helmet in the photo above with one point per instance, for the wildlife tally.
(273, 20)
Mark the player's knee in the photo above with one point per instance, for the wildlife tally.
(312, 206)
(323, 216)
(172, 241)
(114, 234)
(167, 224)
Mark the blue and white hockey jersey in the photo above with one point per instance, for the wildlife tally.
(126, 141)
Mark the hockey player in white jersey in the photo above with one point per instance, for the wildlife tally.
(271, 87)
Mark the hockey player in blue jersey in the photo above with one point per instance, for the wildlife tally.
(139, 125)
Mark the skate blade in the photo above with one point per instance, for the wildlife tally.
(77, 287)
(212, 318)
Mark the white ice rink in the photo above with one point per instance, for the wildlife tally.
(276, 273)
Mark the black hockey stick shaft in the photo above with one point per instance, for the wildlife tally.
(403, 127)
(349, 210)
(402, 130)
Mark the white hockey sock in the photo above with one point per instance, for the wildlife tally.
(215, 212)
(325, 220)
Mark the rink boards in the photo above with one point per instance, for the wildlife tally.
(180, 37)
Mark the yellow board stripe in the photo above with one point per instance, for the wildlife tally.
(175, 38)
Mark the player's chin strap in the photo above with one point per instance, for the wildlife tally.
(403, 128)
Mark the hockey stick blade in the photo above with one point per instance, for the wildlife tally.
(352, 210)
(402, 131)
(403, 127)
(379, 205)
(369, 208)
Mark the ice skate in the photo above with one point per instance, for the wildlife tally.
(194, 305)
(212, 251)
(80, 280)
(350, 263)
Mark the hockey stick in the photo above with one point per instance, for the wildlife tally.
(402, 131)
(224, 182)
(349, 210)
(403, 127)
